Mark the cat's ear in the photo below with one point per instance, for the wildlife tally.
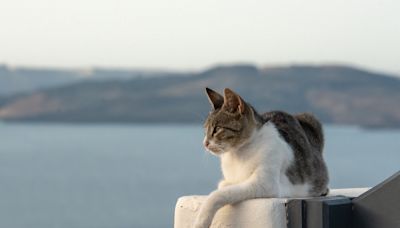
(216, 100)
(233, 102)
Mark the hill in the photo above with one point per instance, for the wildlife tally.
(336, 94)
(24, 79)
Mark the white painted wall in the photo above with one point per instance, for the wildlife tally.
(254, 213)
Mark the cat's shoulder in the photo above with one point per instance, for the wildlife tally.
(286, 124)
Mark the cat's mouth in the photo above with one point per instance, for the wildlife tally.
(214, 149)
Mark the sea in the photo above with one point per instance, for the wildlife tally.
(128, 176)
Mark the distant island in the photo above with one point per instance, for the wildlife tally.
(336, 94)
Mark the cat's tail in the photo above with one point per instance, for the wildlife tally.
(313, 129)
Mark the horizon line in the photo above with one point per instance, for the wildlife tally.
(199, 69)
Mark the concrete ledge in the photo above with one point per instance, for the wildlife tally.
(255, 213)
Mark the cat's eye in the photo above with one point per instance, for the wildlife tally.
(217, 129)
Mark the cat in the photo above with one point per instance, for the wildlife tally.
(275, 154)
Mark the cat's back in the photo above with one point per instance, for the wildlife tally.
(312, 128)
(303, 133)
(294, 127)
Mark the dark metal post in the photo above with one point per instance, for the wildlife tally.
(377, 208)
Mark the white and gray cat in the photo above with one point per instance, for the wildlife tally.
(270, 155)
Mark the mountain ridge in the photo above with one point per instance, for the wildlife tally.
(336, 94)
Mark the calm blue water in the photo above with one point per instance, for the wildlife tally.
(114, 176)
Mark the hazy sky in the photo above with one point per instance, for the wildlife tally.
(188, 34)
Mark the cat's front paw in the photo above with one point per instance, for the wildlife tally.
(223, 183)
(200, 225)
(201, 222)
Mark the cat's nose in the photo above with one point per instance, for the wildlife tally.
(206, 143)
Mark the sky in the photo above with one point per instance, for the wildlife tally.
(188, 34)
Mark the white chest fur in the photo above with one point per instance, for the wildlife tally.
(265, 157)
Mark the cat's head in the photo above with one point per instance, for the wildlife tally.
(230, 122)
